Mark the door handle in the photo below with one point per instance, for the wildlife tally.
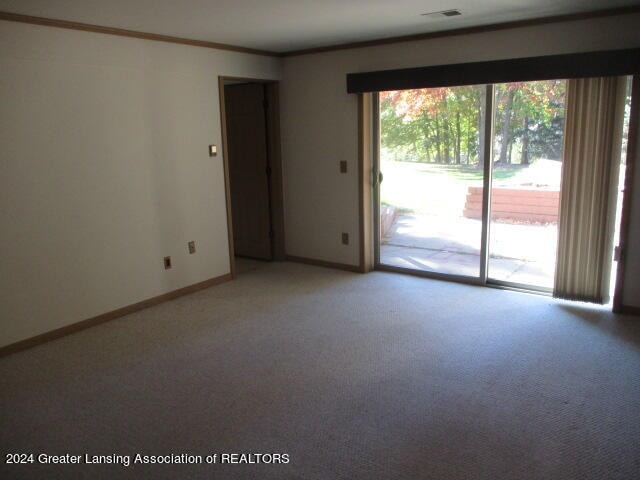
(380, 177)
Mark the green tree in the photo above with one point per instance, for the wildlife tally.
(432, 125)
(443, 124)
(532, 112)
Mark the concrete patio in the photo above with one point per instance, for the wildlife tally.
(519, 253)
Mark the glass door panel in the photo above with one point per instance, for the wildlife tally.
(431, 144)
(525, 194)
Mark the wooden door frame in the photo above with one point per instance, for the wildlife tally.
(276, 197)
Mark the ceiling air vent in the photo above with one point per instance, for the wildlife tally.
(442, 14)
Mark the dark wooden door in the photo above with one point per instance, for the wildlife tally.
(248, 170)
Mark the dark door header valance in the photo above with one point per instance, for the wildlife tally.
(575, 65)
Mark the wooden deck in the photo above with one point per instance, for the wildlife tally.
(523, 205)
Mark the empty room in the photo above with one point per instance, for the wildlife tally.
(320, 240)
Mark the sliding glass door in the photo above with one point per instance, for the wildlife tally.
(430, 212)
(525, 187)
(434, 213)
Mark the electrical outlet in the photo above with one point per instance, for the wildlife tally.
(345, 238)
(343, 166)
(167, 263)
(192, 246)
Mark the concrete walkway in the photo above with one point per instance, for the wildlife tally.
(520, 253)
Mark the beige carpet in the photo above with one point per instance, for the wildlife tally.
(377, 376)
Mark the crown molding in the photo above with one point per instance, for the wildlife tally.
(86, 27)
(51, 22)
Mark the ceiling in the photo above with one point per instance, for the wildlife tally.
(285, 25)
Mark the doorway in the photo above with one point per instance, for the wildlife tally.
(253, 169)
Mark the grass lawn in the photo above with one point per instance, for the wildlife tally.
(442, 189)
(470, 172)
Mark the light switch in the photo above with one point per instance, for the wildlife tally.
(213, 150)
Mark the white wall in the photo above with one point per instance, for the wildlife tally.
(104, 171)
(319, 119)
